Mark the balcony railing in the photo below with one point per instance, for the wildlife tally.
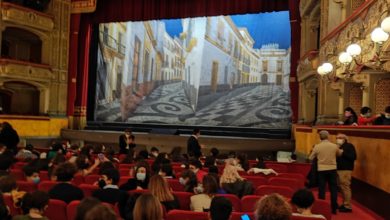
(112, 43)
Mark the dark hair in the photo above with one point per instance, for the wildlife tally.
(30, 170)
(7, 184)
(349, 109)
(143, 154)
(387, 109)
(100, 212)
(192, 180)
(86, 150)
(29, 147)
(303, 198)
(220, 208)
(243, 158)
(6, 160)
(106, 165)
(260, 163)
(272, 206)
(80, 162)
(196, 163)
(65, 172)
(112, 174)
(145, 165)
(210, 161)
(128, 130)
(4, 213)
(167, 169)
(85, 205)
(214, 152)
(232, 154)
(213, 169)
(365, 110)
(147, 207)
(36, 200)
(210, 185)
(154, 149)
(58, 159)
(196, 131)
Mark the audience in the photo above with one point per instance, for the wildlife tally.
(154, 152)
(384, 119)
(65, 190)
(27, 153)
(166, 171)
(6, 160)
(176, 155)
(196, 167)
(272, 207)
(220, 208)
(126, 142)
(160, 189)
(303, 200)
(9, 137)
(147, 207)
(9, 187)
(4, 209)
(141, 177)
(351, 117)
(188, 180)
(208, 189)
(36, 203)
(233, 183)
(83, 166)
(109, 191)
(100, 212)
(32, 174)
(365, 117)
(85, 205)
(162, 158)
(242, 162)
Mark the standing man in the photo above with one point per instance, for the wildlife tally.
(326, 154)
(193, 146)
(126, 142)
(345, 165)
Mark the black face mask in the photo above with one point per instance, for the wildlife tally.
(102, 183)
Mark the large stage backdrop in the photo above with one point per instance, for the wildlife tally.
(230, 71)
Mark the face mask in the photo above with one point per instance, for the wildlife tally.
(347, 114)
(127, 135)
(36, 180)
(387, 116)
(182, 181)
(102, 183)
(368, 115)
(160, 173)
(141, 176)
(340, 141)
(155, 154)
(198, 189)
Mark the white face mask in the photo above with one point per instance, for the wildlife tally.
(387, 116)
(141, 176)
(182, 181)
(155, 154)
(340, 141)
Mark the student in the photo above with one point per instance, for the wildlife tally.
(188, 180)
(4, 209)
(303, 200)
(154, 153)
(208, 189)
(196, 167)
(158, 187)
(141, 177)
(166, 171)
(365, 117)
(101, 212)
(220, 208)
(274, 207)
(32, 174)
(351, 117)
(85, 205)
(83, 167)
(147, 207)
(384, 119)
(233, 183)
(37, 202)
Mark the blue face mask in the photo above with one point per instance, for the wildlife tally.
(141, 176)
(36, 180)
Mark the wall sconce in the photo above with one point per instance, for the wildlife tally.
(346, 58)
(324, 70)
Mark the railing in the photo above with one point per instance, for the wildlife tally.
(112, 43)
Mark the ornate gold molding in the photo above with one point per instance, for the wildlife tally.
(26, 17)
(83, 6)
(24, 70)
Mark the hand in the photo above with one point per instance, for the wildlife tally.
(354, 124)
(97, 162)
(139, 188)
(251, 170)
(378, 115)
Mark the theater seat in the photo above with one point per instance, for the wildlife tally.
(91, 179)
(19, 165)
(248, 203)
(184, 199)
(287, 182)
(123, 180)
(124, 172)
(236, 202)
(303, 218)
(279, 168)
(78, 179)
(26, 186)
(44, 175)
(237, 215)
(126, 166)
(175, 185)
(88, 189)
(17, 174)
(71, 209)
(10, 203)
(56, 210)
(296, 176)
(46, 185)
(282, 190)
(256, 180)
(322, 207)
(186, 215)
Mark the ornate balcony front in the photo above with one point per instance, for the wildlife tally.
(15, 14)
(21, 70)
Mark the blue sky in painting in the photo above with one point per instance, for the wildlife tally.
(264, 28)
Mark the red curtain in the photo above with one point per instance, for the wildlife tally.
(126, 10)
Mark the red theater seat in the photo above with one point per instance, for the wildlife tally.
(78, 179)
(175, 185)
(282, 190)
(123, 180)
(296, 176)
(248, 203)
(184, 199)
(124, 172)
(322, 207)
(88, 189)
(44, 175)
(303, 218)
(126, 166)
(10, 203)
(280, 181)
(186, 215)
(237, 215)
(279, 168)
(56, 210)
(71, 209)
(26, 186)
(256, 180)
(236, 202)
(46, 185)
(91, 179)
(138, 191)
(17, 174)
(19, 165)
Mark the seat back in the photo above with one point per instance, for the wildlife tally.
(123, 180)
(186, 215)
(303, 218)
(296, 176)
(26, 186)
(175, 185)
(288, 182)
(19, 165)
(236, 202)
(46, 185)
(78, 179)
(237, 215)
(125, 172)
(56, 210)
(88, 189)
(282, 190)
(71, 209)
(279, 168)
(17, 174)
(256, 180)
(91, 179)
(184, 199)
(322, 207)
(44, 175)
(248, 203)
(10, 203)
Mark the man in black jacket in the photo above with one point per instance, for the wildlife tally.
(193, 146)
(345, 165)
